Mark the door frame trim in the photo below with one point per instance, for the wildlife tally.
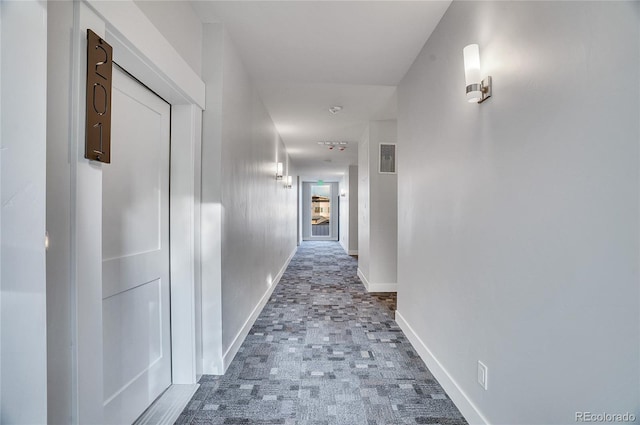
(142, 50)
(334, 234)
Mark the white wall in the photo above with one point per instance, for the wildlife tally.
(180, 25)
(349, 210)
(251, 217)
(23, 334)
(518, 218)
(59, 339)
(383, 198)
(344, 211)
(1, 117)
(377, 211)
(211, 207)
(364, 211)
(352, 198)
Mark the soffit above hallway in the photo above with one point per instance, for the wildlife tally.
(306, 56)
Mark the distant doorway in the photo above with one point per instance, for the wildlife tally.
(321, 210)
(320, 213)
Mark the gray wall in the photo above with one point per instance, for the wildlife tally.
(377, 210)
(518, 218)
(249, 218)
(180, 25)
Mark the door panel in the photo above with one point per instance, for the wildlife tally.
(135, 267)
(128, 331)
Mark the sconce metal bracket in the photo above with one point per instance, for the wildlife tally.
(485, 88)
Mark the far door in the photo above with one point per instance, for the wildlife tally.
(320, 211)
(135, 252)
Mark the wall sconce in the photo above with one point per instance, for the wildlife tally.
(289, 182)
(478, 90)
(279, 171)
(343, 193)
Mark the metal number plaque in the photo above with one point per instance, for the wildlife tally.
(98, 130)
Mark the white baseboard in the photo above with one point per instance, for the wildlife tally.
(363, 279)
(347, 250)
(382, 287)
(240, 337)
(167, 408)
(377, 287)
(468, 409)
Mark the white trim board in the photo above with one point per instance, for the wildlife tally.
(377, 287)
(242, 334)
(344, 247)
(349, 251)
(168, 407)
(468, 409)
(135, 37)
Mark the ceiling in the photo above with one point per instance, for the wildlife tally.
(306, 56)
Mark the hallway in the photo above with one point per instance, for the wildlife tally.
(323, 351)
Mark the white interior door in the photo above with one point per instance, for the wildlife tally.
(135, 252)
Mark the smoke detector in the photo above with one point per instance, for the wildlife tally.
(335, 109)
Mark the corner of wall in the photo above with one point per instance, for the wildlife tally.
(376, 287)
(238, 129)
(466, 406)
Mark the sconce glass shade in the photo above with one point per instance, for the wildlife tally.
(289, 181)
(472, 77)
(279, 169)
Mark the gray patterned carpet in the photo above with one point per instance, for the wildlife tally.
(323, 352)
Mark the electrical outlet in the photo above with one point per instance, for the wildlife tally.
(483, 373)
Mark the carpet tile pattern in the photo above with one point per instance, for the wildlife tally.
(323, 352)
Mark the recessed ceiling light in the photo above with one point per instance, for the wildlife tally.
(335, 109)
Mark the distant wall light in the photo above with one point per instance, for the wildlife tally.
(289, 182)
(279, 171)
(478, 90)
